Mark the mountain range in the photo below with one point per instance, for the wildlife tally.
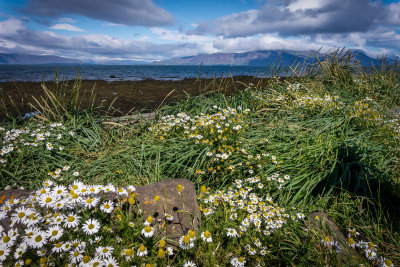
(259, 58)
(36, 59)
(253, 58)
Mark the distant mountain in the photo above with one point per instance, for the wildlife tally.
(34, 59)
(258, 58)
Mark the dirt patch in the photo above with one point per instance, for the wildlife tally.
(144, 95)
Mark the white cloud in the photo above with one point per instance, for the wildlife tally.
(66, 27)
(11, 26)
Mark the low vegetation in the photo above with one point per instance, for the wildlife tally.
(262, 160)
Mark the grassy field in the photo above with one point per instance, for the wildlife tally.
(262, 159)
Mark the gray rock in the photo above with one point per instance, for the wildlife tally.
(183, 207)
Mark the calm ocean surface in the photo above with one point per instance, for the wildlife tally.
(124, 72)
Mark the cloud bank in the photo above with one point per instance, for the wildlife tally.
(127, 12)
(304, 17)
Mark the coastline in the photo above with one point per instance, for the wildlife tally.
(144, 95)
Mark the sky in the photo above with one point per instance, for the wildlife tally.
(151, 30)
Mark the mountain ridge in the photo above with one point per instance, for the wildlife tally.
(259, 58)
(35, 59)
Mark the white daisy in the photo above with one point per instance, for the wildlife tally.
(169, 251)
(206, 236)
(91, 226)
(107, 207)
(238, 262)
(4, 251)
(38, 239)
(185, 243)
(90, 202)
(96, 261)
(104, 252)
(66, 246)
(54, 232)
(59, 190)
(169, 217)
(47, 200)
(19, 251)
(109, 188)
(110, 262)
(57, 248)
(75, 256)
(148, 231)
(8, 238)
(72, 220)
(142, 251)
(189, 264)
(231, 232)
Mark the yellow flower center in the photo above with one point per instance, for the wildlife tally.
(192, 233)
(162, 243)
(106, 206)
(186, 239)
(48, 199)
(86, 259)
(54, 233)
(207, 234)
(388, 262)
(203, 189)
(179, 188)
(149, 219)
(58, 245)
(76, 254)
(21, 214)
(89, 200)
(240, 259)
(71, 218)
(74, 187)
(105, 250)
(129, 252)
(38, 238)
(161, 253)
(6, 239)
(142, 248)
(59, 191)
(156, 198)
(1, 252)
(91, 226)
(147, 229)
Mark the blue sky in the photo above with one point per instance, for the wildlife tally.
(147, 30)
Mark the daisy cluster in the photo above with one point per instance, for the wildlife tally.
(50, 137)
(205, 128)
(365, 110)
(54, 225)
(247, 203)
(296, 96)
(368, 249)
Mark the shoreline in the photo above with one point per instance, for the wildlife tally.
(144, 95)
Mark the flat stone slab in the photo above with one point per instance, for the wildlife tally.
(182, 206)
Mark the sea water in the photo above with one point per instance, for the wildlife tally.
(124, 72)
